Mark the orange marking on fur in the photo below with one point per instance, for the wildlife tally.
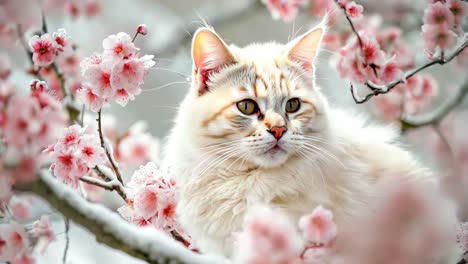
(225, 134)
(263, 80)
(255, 88)
(215, 115)
(243, 89)
(309, 103)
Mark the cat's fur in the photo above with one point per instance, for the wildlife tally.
(222, 158)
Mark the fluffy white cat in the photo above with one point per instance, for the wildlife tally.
(255, 128)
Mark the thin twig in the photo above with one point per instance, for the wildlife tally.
(61, 78)
(437, 115)
(109, 185)
(67, 239)
(108, 154)
(376, 90)
(351, 24)
(383, 89)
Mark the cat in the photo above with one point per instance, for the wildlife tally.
(256, 129)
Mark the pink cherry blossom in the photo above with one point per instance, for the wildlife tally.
(119, 45)
(92, 7)
(354, 10)
(92, 153)
(142, 29)
(75, 154)
(23, 259)
(153, 199)
(20, 208)
(43, 49)
(318, 227)
(438, 36)
(92, 100)
(42, 230)
(137, 148)
(268, 237)
(285, 10)
(13, 240)
(438, 14)
(459, 10)
(71, 135)
(146, 202)
(62, 40)
(98, 77)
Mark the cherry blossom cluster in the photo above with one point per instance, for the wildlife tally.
(285, 10)
(74, 154)
(411, 97)
(46, 48)
(116, 74)
(17, 244)
(270, 237)
(132, 147)
(442, 25)
(152, 196)
(28, 124)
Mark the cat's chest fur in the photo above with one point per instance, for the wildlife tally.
(213, 206)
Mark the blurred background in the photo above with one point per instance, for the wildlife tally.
(170, 26)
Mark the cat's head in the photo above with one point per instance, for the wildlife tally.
(258, 103)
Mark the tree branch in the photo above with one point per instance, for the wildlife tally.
(437, 115)
(67, 240)
(109, 185)
(147, 244)
(383, 89)
(108, 154)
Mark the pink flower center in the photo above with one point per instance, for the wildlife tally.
(318, 222)
(60, 41)
(88, 151)
(169, 211)
(105, 79)
(17, 239)
(69, 138)
(118, 49)
(66, 160)
(22, 124)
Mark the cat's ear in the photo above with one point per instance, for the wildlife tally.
(209, 54)
(304, 49)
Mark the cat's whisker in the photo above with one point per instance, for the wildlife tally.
(304, 155)
(324, 151)
(172, 60)
(187, 77)
(165, 106)
(165, 85)
(219, 160)
(212, 153)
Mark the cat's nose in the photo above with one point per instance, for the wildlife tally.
(277, 131)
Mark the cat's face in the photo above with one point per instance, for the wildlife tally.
(257, 103)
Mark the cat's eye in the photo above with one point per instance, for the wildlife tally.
(247, 106)
(293, 105)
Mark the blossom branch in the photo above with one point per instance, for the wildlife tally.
(146, 244)
(108, 154)
(383, 89)
(109, 185)
(437, 115)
